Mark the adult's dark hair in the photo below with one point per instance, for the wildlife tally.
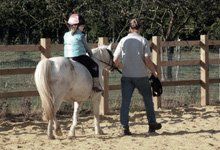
(135, 24)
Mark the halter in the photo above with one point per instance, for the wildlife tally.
(112, 65)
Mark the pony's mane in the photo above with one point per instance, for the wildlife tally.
(99, 48)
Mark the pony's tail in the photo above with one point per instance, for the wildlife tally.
(42, 80)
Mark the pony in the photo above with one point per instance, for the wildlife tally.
(60, 79)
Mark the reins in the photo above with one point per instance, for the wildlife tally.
(113, 67)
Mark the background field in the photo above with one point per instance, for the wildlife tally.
(172, 96)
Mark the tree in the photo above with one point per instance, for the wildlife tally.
(26, 21)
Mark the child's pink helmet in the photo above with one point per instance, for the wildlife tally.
(76, 19)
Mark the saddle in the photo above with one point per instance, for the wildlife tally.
(156, 86)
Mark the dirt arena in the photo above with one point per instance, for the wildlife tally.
(183, 129)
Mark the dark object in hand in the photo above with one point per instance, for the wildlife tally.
(156, 86)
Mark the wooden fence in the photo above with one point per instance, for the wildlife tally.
(45, 48)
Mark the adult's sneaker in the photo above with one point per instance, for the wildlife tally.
(154, 126)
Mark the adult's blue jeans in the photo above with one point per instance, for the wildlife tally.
(128, 84)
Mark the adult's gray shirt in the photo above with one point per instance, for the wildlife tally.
(133, 49)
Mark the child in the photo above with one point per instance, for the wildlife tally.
(75, 48)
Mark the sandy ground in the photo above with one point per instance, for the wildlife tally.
(183, 128)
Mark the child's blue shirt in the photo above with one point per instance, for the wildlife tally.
(73, 44)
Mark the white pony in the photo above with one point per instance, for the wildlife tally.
(59, 79)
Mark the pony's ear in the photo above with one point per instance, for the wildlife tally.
(110, 46)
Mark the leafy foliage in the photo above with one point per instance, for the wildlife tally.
(26, 21)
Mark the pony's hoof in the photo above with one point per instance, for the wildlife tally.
(100, 132)
(71, 137)
(83, 132)
(58, 132)
(51, 137)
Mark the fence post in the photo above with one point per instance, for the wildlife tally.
(103, 41)
(156, 58)
(45, 44)
(204, 69)
(104, 106)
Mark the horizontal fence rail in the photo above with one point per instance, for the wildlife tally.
(19, 48)
(156, 44)
(17, 71)
(19, 94)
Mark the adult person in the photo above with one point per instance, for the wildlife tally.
(75, 48)
(134, 53)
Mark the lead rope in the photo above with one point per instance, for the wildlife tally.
(113, 67)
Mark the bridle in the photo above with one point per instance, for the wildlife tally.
(110, 63)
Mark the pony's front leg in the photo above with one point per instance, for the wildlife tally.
(96, 102)
(75, 118)
(49, 130)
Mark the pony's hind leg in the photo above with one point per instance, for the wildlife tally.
(49, 130)
(75, 118)
(98, 130)
(57, 128)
